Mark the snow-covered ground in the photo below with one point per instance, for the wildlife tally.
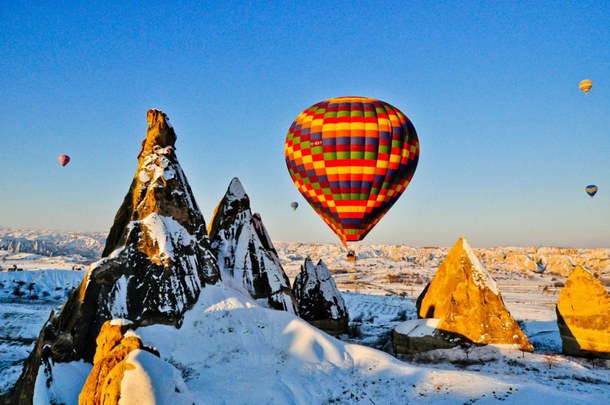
(233, 351)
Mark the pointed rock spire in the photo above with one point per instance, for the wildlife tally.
(155, 263)
(468, 302)
(246, 256)
(320, 301)
(583, 316)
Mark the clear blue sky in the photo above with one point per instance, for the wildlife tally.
(508, 142)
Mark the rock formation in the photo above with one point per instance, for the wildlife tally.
(466, 299)
(118, 352)
(320, 302)
(155, 263)
(246, 256)
(420, 335)
(583, 316)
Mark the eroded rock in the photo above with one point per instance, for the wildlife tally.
(583, 316)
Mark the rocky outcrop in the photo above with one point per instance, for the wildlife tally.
(246, 256)
(583, 316)
(320, 302)
(103, 385)
(421, 335)
(467, 302)
(118, 350)
(155, 263)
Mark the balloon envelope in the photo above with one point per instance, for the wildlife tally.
(591, 190)
(294, 205)
(585, 85)
(63, 159)
(351, 158)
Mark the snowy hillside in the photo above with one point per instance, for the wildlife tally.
(81, 246)
(231, 350)
(280, 358)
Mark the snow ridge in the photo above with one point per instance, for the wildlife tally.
(480, 275)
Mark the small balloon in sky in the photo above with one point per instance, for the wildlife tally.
(63, 159)
(294, 205)
(585, 85)
(351, 158)
(591, 190)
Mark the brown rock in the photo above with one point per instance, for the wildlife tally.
(103, 386)
(421, 335)
(583, 316)
(466, 299)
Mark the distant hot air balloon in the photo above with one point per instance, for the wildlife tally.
(591, 190)
(294, 205)
(351, 158)
(585, 85)
(63, 159)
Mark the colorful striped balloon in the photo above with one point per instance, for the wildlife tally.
(351, 158)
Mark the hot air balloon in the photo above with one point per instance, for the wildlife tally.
(63, 159)
(294, 205)
(591, 190)
(585, 85)
(351, 158)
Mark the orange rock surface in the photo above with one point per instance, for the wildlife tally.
(583, 315)
(466, 299)
(103, 385)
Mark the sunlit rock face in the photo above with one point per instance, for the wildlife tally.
(320, 301)
(103, 384)
(246, 256)
(156, 261)
(583, 316)
(125, 369)
(467, 302)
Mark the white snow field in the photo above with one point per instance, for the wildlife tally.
(232, 350)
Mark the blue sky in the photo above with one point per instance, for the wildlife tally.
(508, 142)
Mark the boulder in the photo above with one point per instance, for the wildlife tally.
(421, 335)
(467, 301)
(119, 373)
(155, 263)
(246, 256)
(583, 316)
(320, 301)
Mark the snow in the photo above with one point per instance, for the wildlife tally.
(152, 381)
(120, 322)
(418, 327)
(143, 176)
(283, 359)
(236, 191)
(166, 233)
(480, 276)
(230, 350)
(158, 166)
(119, 297)
(50, 284)
(64, 386)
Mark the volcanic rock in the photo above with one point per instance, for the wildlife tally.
(583, 316)
(246, 256)
(467, 302)
(320, 302)
(420, 335)
(155, 263)
(119, 352)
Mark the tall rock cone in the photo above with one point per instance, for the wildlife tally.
(155, 263)
(246, 256)
(320, 301)
(583, 316)
(468, 302)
